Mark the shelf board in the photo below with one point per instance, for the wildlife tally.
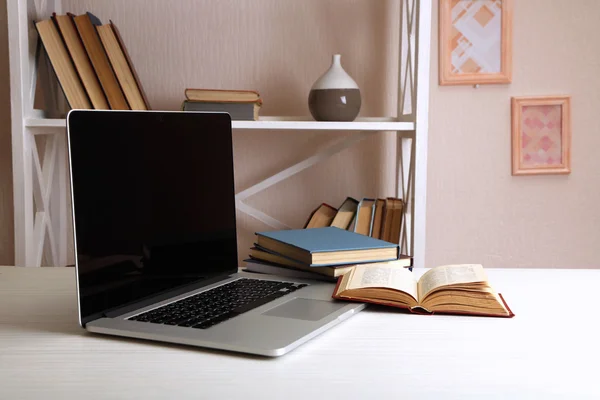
(279, 123)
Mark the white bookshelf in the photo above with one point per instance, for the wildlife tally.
(41, 190)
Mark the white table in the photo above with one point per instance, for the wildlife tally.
(551, 349)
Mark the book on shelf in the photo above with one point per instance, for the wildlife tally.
(82, 63)
(321, 216)
(122, 66)
(345, 214)
(86, 26)
(377, 218)
(450, 289)
(237, 111)
(63, 67)
(327, 246)
(364, 216)
(392, 220)
(222, 95)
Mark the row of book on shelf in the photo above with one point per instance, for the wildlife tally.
(91, 63)
(348, 245)
(379, 219)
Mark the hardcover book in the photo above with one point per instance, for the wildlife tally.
(63, 66)
(364, 217)
(449, 289)
(321, 217)
(237, 111)
(327, 246)
(346, 213)
(86, 26)
(81, 60)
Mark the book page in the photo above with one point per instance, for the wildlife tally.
(450, 275)
(382, 275)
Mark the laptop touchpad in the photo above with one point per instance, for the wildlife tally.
(306, 309)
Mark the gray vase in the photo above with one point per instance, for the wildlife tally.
(335, 96)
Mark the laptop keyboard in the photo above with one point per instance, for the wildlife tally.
(219, 304)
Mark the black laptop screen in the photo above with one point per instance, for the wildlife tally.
(154, 206)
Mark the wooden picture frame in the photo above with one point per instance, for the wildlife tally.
(475, 42)
(541, 135)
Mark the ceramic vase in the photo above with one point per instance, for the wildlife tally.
(335, 96)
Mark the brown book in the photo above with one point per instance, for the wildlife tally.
(63, 65)
(392, 220)
(364, 216)
(388, 215)
(276, 259)
(450, 289)
(86, 26)
(222, 95)
(321, 216)
(121, 66)
(345, 214)
(81, 60)
(397, 221)
(378, 218)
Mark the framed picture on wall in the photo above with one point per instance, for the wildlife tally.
(541, 135)
(475, 41)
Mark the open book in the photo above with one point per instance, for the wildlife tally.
(450, 289)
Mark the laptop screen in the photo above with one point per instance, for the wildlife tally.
(153, 202)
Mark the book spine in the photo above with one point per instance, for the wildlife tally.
(237, 111)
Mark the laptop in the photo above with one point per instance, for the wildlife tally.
(154, 226)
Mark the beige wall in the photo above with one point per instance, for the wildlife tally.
(6, 199)
(478, 212)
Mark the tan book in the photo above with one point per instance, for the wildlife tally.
(321, 216)
(222, 95)
(378, 218)
(121, 66)
(86, 26)
(81, 60)
(364, 216)
(63, 65)
(345, 214)
(388, 215)
(396, 221)
(450, 289)
(280, 260)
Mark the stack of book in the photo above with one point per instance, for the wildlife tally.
(242, 105)
(377, 218)
(91, 63)
(320, 253)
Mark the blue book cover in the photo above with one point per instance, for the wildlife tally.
(328, 240)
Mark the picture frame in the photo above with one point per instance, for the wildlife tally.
(475, 42)
(541, 135)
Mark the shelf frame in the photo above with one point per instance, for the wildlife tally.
(40, 172)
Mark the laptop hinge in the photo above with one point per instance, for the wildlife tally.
(117, 311)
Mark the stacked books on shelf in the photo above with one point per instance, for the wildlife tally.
(377, 218)
(91, 63)
(242, 105)
(324, 253)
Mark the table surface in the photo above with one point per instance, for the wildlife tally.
(550, 349)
